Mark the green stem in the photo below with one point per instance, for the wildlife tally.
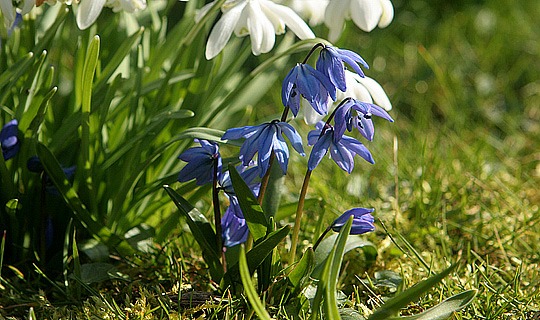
(298, 219)
(217, 212)
(321, 237)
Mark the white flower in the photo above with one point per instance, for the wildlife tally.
(310, 9)
(364, 89)
(8, 10)
(366, 14)
(89, 10)
(261, 19)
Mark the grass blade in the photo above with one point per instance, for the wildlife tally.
(250, 291)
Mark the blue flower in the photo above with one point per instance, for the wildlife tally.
(8, 139)
(234, 230)
(342, 151)
(34, 165)
(362, 221)
(247, 173)
(263, 139)
(330, 63)
(314, 86)
(200, 162)
(345, 119)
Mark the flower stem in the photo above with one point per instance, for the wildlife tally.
(217, 211)
(298, 219)
(311, 51)
(321, 237)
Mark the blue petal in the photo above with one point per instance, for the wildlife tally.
(288, 85)
(324, 81)
(319, 150)
(294, 137)
(265, 146)
(357, 147)
(365, 126)
(356, 213)
(340, 119)
(282, 152)
(342, 156)
(237, 133)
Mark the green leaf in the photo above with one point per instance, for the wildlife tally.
(328, 280)
(58, 178)
(400, 301)
(202, 232)
(350, 314)
(251, 209)
(16, 70)
(330, 303)
(289, 209)
(40, 115)
(300, 274)
(120, 54)
(99, 272)
(387, 278)
(444, 309)
(257, 254)
(249, 289)
(353, 242)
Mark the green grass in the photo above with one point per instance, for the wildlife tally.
(463, 80)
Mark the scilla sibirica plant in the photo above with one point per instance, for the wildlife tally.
(110, 109)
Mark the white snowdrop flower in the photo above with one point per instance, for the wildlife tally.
(10, 7)
(89, 10)
(310, 9)
(366, 14)
(364, 89)
(261, 19)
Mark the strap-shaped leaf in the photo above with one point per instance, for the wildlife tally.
(393, 305)
(202, 232)
(249, 289)
(57, 176)
(353, 242)
(251, 209)
(257, 254)
(444, 309)
(300, 274)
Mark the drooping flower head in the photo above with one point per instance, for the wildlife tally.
(342, 151)
(344, 118)
(330, 63)
(263, 139)
(200, 162)
(261, 19)
(248, 173)
(233, 225)
(89, 10)
(10, 8)
(361, 88)
(366, 14)
(8, 139)
(303, 80)
(310, 9)
(362, 221)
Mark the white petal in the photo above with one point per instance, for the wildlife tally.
(261, 30)
(221, 33)
(310, 115)
(377, 92)
(291, 19)
(334, 18)
(203, 11)
(88, 12)
(388, 13)
(366, 13)
(27, 6)
(8, 12)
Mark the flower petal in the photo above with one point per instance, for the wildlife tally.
(294, 137)
(291, 19)
(88, 12)
(334, 18)
(366, 13)
(319, 150)
(6, 6)
(221, 33)
(388, 13)
(376, 91)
